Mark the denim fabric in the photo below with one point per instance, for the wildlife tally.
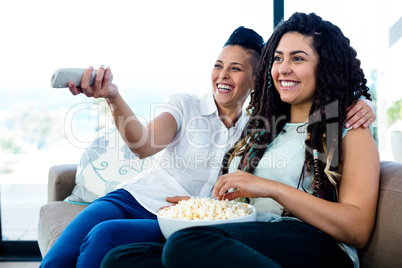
(110, 221)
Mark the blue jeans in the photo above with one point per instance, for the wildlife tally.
(113, 220)
(259, 244)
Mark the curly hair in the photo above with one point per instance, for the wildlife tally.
(339, 82)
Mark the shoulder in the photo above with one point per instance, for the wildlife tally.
(354, 133)
(359, 132)
(181, 101)
(181, 106)
(358, 143)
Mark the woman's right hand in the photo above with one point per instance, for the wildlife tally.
(246, 185)
(102, 88)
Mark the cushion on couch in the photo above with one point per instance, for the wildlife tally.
(105, 164)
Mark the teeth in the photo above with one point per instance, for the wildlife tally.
(224, 87)
(288, 83)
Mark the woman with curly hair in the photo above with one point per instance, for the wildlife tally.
(313, 182)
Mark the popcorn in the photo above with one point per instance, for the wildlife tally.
(206, 209)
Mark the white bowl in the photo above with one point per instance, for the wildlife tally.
(169, 226)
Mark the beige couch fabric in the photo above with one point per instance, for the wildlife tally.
(385, 246)
(53, 219)
(383, 250)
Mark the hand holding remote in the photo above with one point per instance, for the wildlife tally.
(62, 77)
(86, 81)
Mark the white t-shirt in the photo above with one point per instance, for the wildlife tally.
(191, 164)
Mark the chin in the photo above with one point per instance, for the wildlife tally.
(287, 100)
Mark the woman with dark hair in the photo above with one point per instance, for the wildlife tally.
(313, 182)
(127, 215)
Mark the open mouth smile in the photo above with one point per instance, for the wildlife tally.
(224, 87)
(289, 84)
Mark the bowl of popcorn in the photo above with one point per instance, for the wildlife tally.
(201, 212)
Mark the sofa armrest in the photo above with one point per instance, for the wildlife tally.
(61, 181)
(384, 248)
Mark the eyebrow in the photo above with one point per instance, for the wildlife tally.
(292, 52)
(232, 63)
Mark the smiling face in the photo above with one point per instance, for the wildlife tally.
(294, 70)
(232, 78)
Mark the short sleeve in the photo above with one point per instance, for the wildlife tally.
(345, 131)
(174, 105)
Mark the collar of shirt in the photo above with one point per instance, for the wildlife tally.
(207, 104)
(208, 107)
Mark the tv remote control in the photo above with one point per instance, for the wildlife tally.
(62, 77)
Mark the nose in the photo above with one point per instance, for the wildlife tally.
(224, 74)
(285, 68)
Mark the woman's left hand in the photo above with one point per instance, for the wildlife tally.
(362, 113)
(248, 185)
(174, 200)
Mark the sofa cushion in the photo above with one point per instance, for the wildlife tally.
(106, 163)
(53, 219)
(384, 248)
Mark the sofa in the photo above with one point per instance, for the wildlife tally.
(383, 250)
